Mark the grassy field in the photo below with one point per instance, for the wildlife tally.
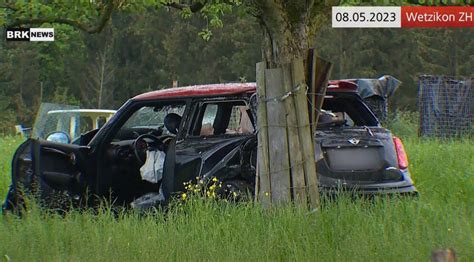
(387, 230)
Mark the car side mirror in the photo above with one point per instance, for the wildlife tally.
(59, 137)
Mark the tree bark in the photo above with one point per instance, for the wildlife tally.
(286, 33)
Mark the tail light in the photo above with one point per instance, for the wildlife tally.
(401, 154)
(342, 85)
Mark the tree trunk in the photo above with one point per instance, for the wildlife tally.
(283, 41)
(103, 60)
(291, 174)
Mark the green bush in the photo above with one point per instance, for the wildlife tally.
(403, 124)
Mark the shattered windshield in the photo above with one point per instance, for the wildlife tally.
(152, 117)
(149, 119)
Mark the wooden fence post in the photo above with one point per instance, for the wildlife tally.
(278, 137)
(317, 76)
(286, 163)
(304, 131)
(262, 185)
(298, 185)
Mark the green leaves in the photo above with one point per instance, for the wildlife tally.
(206, 34)
(88, 15)
(3, 18)
(216, 22)
(186, 13)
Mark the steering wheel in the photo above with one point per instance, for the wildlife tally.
(143, 142)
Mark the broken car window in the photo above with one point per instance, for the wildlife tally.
(146, 119)
(345, 111)
(224, 118)
(334, 118)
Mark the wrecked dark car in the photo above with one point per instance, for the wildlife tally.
(160, 140)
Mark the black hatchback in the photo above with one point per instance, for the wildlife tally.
(158, 141)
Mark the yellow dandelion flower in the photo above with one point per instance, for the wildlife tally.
(267, 194)
(213, 194)
(214, 179)
(183, 196)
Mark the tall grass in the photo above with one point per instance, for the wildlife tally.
(403, 124)
(8, 145)
(383, 230)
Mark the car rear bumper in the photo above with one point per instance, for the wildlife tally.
(406, 191)
(404, 186)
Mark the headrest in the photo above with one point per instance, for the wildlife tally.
(172, 121)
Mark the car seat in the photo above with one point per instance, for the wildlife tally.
(172, 121)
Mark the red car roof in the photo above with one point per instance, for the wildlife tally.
(220, 89)
(199, 90)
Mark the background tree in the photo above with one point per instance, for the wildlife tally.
(152, 46)
(144, 58)
(101, 74)
(287, 29)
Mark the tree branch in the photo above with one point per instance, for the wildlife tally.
(8, 6)
(96, 28)
(195, 7)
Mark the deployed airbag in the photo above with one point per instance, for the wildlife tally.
(152, 170)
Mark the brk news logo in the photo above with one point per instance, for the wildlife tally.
(30, 34)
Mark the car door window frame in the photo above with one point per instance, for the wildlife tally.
(198, 111)
(109, 130)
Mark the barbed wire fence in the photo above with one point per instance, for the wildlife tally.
(446, 106)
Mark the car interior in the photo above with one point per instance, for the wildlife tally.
(345, 111)
(150, 127)
(153, 128)
(223, 118)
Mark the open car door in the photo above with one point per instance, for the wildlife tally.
(56, 174)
